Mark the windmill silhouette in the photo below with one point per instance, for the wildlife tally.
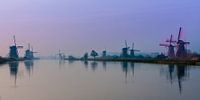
(132, 51)
(14, 54)
(125, 50)
(181, 52)
(181, 48)
(29, 53)
(61, 55)
(170, 46)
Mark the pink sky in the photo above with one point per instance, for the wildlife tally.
(77, 26)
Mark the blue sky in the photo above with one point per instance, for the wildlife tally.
(77, 26)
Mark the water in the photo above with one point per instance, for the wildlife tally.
(54, 80)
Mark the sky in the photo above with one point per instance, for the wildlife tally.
(78, 26)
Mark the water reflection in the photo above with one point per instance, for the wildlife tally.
(86, 64)
(61, 63)
(182, 74)
(29, 66)
(128, 78)
(126, 68)
(13, 66)
(94, 65)
(104, 65)
(171, 71)
(133, 68)
(175, 73)
(70, 61)
(179, 72)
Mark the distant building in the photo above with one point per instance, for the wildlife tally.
(13, 52)
(125, 52)
(85, 57)
(29, 54)
(104, 53)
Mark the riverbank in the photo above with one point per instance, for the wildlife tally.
(145, 60)
(4, 60)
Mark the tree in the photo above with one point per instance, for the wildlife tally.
(85, 57)
(94, 54)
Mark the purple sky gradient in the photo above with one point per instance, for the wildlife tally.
(77, 26)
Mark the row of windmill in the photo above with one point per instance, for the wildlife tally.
(125, 51)
(14, 54)
(176, 48)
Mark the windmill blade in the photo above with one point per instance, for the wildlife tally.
(29, 46)
(165, 45)
(137, 50)
(173, 41)
(171, 38)
(179, 33)
(187, 42)
(20, 47)
(56, 54)
(133, 45)
(126, 44)
(14, 40)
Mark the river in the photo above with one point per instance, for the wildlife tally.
(68, 80)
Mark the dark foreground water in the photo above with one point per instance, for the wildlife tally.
(54, 80)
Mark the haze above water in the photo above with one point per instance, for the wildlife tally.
(54, 80)
(77, 26)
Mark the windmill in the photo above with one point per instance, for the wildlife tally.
(104, 53)
(170, 47)
(181, 49)
(29, 54)
(61, 55)
(13, 54)
(132, 51)
(33, 52)
(125, 50)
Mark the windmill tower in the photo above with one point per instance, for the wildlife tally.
(181, 49)
(61, 55)
(132, 51)
(125, 51)
(33, 52)
(29, 54)
(170, 46)
(104, 53)
(13, 54)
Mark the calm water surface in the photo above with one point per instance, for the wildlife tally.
(54, 80)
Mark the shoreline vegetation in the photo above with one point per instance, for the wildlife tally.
(135, 60)
(4, 60)
(141, 60)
